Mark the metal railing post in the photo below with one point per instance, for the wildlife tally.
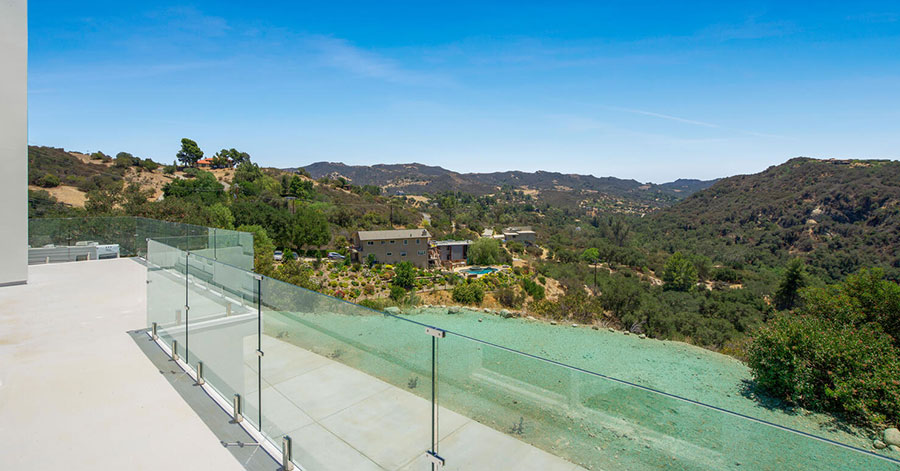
(175, 350)
(287, 454)
(154, 334)
(238, 417)
(432, 455)
(200, 380)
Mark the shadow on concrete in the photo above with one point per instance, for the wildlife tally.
(241, 445)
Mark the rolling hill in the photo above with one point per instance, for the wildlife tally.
(839, 215)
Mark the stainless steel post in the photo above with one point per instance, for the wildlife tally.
(287, 454)
(200, 379)
(238, 417)
(153, 332)
(175, 350)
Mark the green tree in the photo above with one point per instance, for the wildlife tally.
(591, 255)
(621, 296)
(125, 160)
(134, 199)
(309, 228)
(299, 188)
(190, 152)
(404, 275)
(237, 157)
(484, 252)
(105, 199)
(864, 298)
(263, 248)
(219, 216)
(204, 188)
(792, 281)
(679, 273)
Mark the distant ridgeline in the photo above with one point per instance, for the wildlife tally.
(838, 215)
(420, 179)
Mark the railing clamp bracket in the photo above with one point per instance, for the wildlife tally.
(434, 458)
(435, 332)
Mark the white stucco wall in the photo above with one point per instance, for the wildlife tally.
(13, 141)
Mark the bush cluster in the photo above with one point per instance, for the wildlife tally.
(836, 353)
(468, 293)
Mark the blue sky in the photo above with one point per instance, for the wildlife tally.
(651, 91)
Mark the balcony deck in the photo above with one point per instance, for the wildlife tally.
(77, 391)
(81, 388)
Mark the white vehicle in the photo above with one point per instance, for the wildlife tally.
(279, 255)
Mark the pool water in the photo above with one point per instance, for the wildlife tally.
(479, 270)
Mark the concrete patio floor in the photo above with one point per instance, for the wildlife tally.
(77, 393)
(80, 389)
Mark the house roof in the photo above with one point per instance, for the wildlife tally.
(205, 161)
(394, 234)
(441, 243)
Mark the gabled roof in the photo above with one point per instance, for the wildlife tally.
(394, 234)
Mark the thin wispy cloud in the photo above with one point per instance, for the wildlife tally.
(666, 116)
(342, 54)
(694, 122)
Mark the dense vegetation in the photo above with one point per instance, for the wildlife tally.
(838, 352)
(840, 216)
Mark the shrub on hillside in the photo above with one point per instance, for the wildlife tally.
(468, 293)
(48, 180)
(533, 289)
(838, 353)
(148, 164)
(397, 293)
(829, 366)
(508, 296)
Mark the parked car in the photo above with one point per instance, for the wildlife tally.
(279, 255)
(335, 256)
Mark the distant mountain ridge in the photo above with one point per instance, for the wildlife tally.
(415, 178)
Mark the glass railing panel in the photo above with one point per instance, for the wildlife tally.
(232, 247)
(521, 410)
(66, 239)
(70, 239)
(166, 293)
(351, 386)
(223, 329)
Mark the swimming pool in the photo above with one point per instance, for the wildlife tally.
(479, 270)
